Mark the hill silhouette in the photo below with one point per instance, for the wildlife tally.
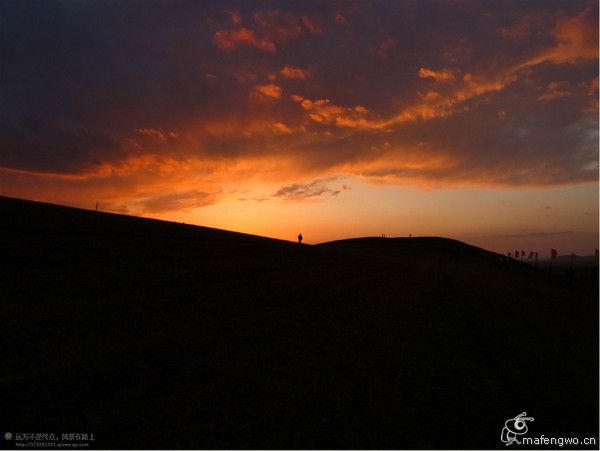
(154, 334)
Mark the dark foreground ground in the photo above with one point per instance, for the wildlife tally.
(151, 334)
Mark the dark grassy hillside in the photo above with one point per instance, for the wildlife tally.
(154, 334)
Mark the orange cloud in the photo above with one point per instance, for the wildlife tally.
(435, 105)
(295, 73)
(555, 90)
(423, 166)
(576, 40)
(269, 28)
(270, 90)
(229, 136)
(432, 105)
(324, 112)
(135, 168)
(144, 183)
(441, 76)
(229, 40)
(432, 96)
(282, 128)
(312, 27)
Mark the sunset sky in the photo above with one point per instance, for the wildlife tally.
(476, 120)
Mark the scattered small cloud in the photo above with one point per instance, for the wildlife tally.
(270, 90)
(300, 191)
(295, 73)
(324, 112)
(440, 76)
(280, 127)
(555, 90)
(230, 40)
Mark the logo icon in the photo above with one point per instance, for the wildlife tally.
(513, 428)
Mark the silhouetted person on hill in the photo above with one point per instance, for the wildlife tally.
(299, 239)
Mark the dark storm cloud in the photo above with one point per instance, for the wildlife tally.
(112, 66)
(401, 92)
(34, 142)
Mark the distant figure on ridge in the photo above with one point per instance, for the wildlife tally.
(299, 239)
